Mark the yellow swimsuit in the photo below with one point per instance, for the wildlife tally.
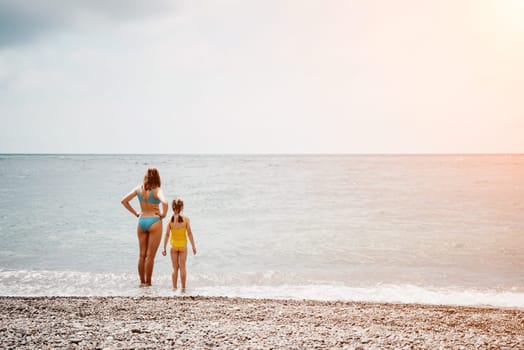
(178, 237)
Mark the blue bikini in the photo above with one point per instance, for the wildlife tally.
(145, 223)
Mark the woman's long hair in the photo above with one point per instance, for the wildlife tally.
(151, 179)
(178, 206)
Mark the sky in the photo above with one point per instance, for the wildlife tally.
(237, 76)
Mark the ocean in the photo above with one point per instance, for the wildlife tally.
(436, 229)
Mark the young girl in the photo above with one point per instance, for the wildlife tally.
(178, 227)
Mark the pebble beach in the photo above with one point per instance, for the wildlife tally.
(233, 323)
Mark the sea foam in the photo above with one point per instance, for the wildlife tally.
(72, 283)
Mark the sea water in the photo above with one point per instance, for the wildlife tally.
(440, 229)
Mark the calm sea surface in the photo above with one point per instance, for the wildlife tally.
(431, 229)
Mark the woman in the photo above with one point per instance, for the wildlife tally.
(149, 229)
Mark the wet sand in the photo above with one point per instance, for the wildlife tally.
(231, 323)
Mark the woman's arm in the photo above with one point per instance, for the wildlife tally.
(190, 235)
(126, 199)
(163, 200)
(166, 237)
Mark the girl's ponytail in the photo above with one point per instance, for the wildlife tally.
(178, 206)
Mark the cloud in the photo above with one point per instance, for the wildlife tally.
(23, 21)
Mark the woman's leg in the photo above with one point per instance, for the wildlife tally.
(182, 262)
(174, 262)
(154, 237)
(142, 244)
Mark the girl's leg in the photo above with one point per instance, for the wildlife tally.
(155, 235)
(142, 244)
(183, 258)
(174, 262)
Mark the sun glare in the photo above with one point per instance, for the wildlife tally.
(510, 14)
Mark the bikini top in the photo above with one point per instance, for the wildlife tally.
(150, 199)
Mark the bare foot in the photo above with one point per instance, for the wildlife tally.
(183, 291)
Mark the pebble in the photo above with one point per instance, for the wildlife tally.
(231, 323)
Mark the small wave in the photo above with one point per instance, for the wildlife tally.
(409, 294)
(71, 283)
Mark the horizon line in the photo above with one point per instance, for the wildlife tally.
(270, 154)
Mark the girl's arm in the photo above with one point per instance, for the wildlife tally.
(163, 200)
(126, 199)
(190, 235)
(166, 237)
